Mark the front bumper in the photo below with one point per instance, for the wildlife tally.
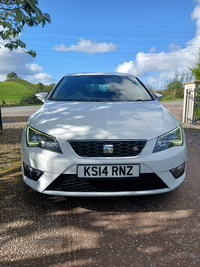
(60, 172)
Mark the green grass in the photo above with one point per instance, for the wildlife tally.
(30, 86)
(13, 93)
(170, 98)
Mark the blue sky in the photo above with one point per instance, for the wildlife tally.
(150, 39)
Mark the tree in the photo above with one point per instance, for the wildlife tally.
(11, 75)
(14, 15)
(175, 88)
(49, 87)
(40, 87)
(196, 69)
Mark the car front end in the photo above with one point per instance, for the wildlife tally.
(78, 156)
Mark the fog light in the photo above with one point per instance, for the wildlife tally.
(178, 171)
(32, 173)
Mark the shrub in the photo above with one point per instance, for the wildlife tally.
(32, 99)
(175, 89)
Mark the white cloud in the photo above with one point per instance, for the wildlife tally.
(165, 64)
(86, 46)
(22, 64)
(148, 62)
(40, 77)
(34, 68)
(174, 47)
(196, 16)
(153, 50)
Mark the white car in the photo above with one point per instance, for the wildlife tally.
(102, 134)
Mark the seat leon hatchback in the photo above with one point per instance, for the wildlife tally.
(102, 134)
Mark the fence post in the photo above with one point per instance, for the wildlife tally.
(188, 103)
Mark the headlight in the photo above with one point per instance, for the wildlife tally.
(42, 140)
(173, 138)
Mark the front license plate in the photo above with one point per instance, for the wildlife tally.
(110, 171)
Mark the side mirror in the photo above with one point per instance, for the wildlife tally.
(157, 96)
(42, 96)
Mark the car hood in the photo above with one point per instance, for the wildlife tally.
(103, 120)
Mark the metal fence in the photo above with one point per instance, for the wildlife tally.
(192, 110)
(197, 106)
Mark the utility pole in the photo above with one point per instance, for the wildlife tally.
(1, 124)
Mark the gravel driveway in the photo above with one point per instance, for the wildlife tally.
(40, 230)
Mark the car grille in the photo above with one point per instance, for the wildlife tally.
(70, 183)
(95, 148)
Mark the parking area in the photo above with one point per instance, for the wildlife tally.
(41, 230)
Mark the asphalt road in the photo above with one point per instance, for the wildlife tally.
(18, 111)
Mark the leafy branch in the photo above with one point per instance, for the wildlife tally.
(14, 15)
(196, 68)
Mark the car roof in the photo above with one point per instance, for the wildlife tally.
(99, 73)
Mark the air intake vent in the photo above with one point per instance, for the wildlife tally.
(90, 149)
(70, 183)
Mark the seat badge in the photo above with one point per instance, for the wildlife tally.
(107, 149)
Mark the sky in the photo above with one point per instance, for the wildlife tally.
(152, 40)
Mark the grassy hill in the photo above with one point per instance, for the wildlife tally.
(13, 93)
(18, 91)
(30, 86)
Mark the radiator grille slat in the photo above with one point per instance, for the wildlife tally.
(95, 148)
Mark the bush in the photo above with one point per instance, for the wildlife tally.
(32, 99)
(175, 89)
(39, 87)
(48, 88)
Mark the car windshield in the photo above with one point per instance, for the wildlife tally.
(100, 88)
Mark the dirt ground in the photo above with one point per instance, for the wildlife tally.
(40, 230)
